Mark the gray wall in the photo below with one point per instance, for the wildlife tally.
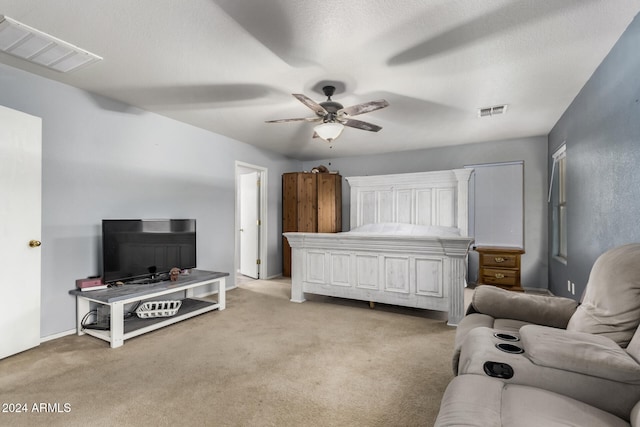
(533, 151)
(602, 133)
(104, 159)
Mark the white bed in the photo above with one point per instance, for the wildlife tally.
(407, 246)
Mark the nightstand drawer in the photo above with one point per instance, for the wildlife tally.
(499, 260)
(491, 276)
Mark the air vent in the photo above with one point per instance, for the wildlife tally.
(492, 111)
(33, 45)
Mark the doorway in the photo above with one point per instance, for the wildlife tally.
(251, 203)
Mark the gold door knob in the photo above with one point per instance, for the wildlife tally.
(34, 243)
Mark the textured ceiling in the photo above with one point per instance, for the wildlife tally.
(229, 65)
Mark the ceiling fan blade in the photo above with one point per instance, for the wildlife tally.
(366, 107)
(358, 124)
(300, 119)
(317, 108)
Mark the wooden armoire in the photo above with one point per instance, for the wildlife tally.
(312, 203)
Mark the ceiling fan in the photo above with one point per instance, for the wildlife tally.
(333, 116)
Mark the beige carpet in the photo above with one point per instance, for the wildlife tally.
(263, 361)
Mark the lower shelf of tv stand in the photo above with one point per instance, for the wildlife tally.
(135, 326)
(122, 329)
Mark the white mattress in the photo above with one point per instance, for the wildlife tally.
(399, 229)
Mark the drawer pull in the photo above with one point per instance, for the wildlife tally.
(499, 276)
(499, 259)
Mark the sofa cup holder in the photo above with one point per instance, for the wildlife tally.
(509, 348)
(506, 337)
(498, 370)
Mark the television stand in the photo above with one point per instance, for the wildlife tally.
(116, 298)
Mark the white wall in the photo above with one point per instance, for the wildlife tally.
(104, 159)
(532, 151)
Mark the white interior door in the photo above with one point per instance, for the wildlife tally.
(249, 228)
(20, 223)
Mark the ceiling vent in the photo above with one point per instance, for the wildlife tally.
(28, 43)
(492, 111)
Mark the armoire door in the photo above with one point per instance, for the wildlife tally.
(20, 230)
(299, 210)
(329, 203)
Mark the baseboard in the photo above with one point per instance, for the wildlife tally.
(539, 291)
(58, 335)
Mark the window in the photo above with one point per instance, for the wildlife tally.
(558, 197)
(562, 207)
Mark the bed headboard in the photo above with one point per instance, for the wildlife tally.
(423, 198)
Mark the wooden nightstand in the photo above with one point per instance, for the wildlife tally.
(499, 266)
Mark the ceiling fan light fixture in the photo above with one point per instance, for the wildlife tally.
(329, 131)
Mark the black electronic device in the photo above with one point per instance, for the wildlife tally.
(145, 250)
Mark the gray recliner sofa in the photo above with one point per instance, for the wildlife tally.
(610, 305)
(588, 352)
(478, 401)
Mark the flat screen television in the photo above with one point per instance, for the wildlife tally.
(144, 250)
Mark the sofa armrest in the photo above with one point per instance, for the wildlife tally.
(635, 416)
(579, 352)
(539, 309)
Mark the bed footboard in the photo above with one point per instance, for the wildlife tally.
(426, 273)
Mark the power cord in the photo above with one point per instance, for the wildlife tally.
(86, 316)
(94, 325)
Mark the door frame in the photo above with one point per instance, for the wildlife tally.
(240, 169)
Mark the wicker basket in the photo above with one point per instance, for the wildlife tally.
(151, 309)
